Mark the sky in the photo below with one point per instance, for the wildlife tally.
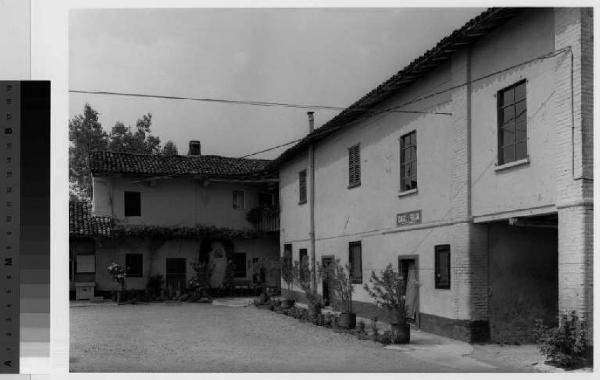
(318, 56)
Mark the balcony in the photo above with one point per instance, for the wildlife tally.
(264, 219)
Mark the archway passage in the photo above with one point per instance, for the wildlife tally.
(523, 277)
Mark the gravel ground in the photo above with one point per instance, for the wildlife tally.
(182, 337)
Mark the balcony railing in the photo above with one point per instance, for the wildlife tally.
(264, 219)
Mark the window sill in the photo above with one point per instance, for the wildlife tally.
(353, 185)
(301, 203)
(512, 164)
(407, 192)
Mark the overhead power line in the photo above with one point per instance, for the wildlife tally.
(551, 54)
(307, 106)
(248, 102)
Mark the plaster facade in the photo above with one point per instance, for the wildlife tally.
(462, 189)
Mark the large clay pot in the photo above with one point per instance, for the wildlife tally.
(347, 321)
(400, 333)
(314, 311)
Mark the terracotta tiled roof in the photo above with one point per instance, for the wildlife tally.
(83, 224)
(104, 162)
(418, 68)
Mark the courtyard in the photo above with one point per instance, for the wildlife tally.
(231, 337)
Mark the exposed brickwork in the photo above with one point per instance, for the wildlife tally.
(574, 168)
(466, 330)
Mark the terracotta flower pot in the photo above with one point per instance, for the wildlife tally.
(400, 333)
(347, 321)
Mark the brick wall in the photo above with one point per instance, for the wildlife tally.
(574, 168)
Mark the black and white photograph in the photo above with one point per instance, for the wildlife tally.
(330, 190)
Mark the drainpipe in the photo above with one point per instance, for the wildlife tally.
(311, 170)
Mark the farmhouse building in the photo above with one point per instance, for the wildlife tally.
(470, 170)
(158, 214)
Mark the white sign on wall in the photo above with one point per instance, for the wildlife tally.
(407, 218)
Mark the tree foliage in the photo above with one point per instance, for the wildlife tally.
(139, 140)
(170, 149)
(86, 135)
(387, 290)
(342, 285)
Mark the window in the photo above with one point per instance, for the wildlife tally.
(355, 259)
(303, 262)
(86, 264)
(302, 186)
(408, 161)
(238, 200)
(134, 264)
(442, 266)
(512, 123)
(265, 200)
(354, 166)
(239, 265)
(133, 203)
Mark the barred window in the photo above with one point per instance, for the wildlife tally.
(354, 166)
(408, 161)
(134, 264)
(512, 123)
(238, 200)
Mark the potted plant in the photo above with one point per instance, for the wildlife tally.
(288, 276)
(387, 289)
(303, 276)
(118, 274)
(343, 289)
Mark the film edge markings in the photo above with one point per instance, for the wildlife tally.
(25, 228)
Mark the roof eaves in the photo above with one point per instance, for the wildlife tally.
(474, 29)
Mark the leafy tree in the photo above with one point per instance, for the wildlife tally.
(170, 149)
(122, 139)
(85, 135)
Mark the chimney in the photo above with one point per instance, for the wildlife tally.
(194, 148)
(311, 121)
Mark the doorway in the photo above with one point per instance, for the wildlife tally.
(327, 262)
(175, 275)
(523, 278)
(408, 269)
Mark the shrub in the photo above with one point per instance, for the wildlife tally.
(565, 345)
(287, 274)
(303, 276)
(200, 282)
(154, 285)
(386, 337)
(342, 286)
(374, 328)
(360, 326)
(387, 289)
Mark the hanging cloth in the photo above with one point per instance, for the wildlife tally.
(411, 293)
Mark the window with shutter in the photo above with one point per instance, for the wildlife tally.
(354, 166)
(302, 187)
(408, 161)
